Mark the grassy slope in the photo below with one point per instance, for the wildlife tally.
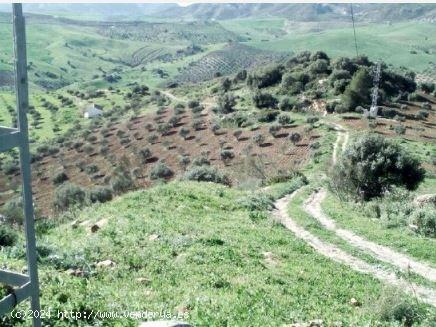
(208, 259)
(391, 43)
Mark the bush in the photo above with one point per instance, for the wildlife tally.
(311, 120)
(68, 195)
(287, 103)
(267, 77)
(13, 211)
(267, 116)
(295, 137)
(160, 170)
(184, 132)
(206, 174)
(284, 120)
(100, 194)
(264, 100)
(60, 178)
(393, 306)
(274, 129)
(226, 103)
(400, 129)
(424, 219)
(427, 87)
(259, 139)
(201, 161)
(226, 155)
(372, 165)
(193, 104)
(8, 237)
(422, 115)
(144, 154)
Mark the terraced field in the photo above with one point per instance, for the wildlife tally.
(230, 59)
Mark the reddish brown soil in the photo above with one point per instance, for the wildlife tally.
(276, 153)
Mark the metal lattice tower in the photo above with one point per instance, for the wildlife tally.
(374, 95)
(22, 286)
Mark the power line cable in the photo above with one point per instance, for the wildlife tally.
(354, 29)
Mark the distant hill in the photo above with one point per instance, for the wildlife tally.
(305, 12)
(207, 11)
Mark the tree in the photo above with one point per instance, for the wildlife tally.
(295, 138)
(226, 84)
(358, 91)
(226, 103)
(371, 165)
(184, 132)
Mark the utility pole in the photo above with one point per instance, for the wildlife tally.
(22, 286)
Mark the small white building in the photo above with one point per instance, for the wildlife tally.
(92, 111)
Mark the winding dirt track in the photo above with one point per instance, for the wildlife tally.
(383, 253)
(333, 252)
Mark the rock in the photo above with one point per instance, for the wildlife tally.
(153, 237)
(413, 227)
(354, 302)
(316, 323)
(75, 272)
(164, 323)
(106, 263)
(98, 225)
(424, 199)
(143, 280)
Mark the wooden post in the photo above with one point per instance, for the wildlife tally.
(22, 95)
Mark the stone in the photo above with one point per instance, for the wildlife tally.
(424, 199)
(106, 263)
(98, 225)
(153, 237)
(354, 302)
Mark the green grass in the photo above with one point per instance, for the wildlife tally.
(391, 43)
(208, 258)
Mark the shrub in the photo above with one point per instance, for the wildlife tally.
(206, 174)
(237, 134)
(393, 306)
(426, 106)
(372, 165)
(100, 194)
(60, 178)
(121, 181)
(264, 100)
(311, 120)
(259, 139)
(201, 161)
(197, 124)
(266, 77)
(257, 202)
(8, 237)
(287, 103)
(193, 104)
(226, 103)
(13, 211)
(184, 132)
(160, 170)
(215, 128)
(10, 167)
(427, 87)
(184, 161)
(284, 120)
(68, 195)
(226, 155)
(144, 154)
(152, 138)
(164, 128)
(274, 129)
(295, 138)
(267, 116)
(422, 115)
(400, 129)
(424, 219)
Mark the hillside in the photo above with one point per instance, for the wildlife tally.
(199, 249)
(223, 164)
